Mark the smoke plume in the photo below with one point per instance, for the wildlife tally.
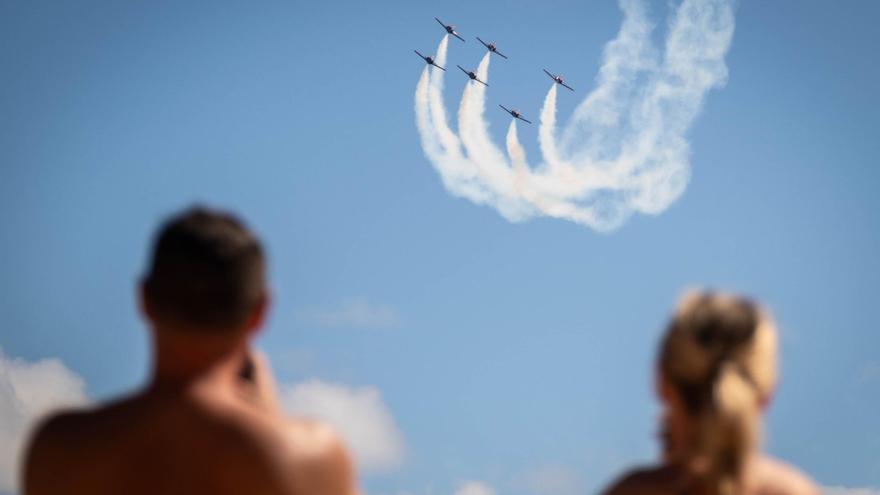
(624, 148)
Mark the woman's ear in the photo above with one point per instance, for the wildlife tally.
(662, 387)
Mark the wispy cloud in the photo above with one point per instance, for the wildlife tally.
(624, 149)
(474, 488)
(28, 391)
(351, 313)
(842, 490)
(552, 479)
(359, 415)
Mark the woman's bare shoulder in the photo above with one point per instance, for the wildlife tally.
(647, 479)
(774, 476)
(767, 476)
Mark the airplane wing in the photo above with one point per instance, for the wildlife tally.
(441, 22)
(457, 36)
(549, 74)
(567, 86)
(505, 108)
(500, 54)
(419, 54)
(481, 82)
(462, 69)
(483, 42)
(524, 120)
(437, 66)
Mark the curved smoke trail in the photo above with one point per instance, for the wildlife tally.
(624, 148)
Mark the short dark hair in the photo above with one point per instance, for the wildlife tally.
(207, 270)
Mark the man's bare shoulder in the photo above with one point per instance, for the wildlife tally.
(320, 457)
(58, 444)
(306, 456)
(71, 428)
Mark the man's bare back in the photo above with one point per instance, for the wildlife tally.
(207, 438)
(208, 421)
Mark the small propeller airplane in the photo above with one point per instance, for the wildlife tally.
(558, 79)
(492, 48)
(472, 75)
(449, 29)
(515, 113)
(429, 60)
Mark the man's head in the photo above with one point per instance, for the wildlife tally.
(207, 274)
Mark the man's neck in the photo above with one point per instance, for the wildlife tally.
(184, 358)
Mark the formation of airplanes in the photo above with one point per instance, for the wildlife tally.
(493, 48)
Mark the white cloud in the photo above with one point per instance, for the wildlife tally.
(359, 416)
(552, 479)
(842, 490)
(28, 391)
(474, 488)
(356, 313)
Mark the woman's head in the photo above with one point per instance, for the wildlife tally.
(717, 364)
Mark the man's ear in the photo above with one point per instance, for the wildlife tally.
(258, 315)
(143, 301)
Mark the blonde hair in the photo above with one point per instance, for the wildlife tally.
(719, 354)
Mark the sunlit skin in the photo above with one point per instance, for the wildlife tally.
(197, 427)
(677, 431)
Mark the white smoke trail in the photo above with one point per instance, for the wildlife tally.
(515, 150)
(547, 131)
(438, 112)
(598, 118)
(624, 149)
(430, 143)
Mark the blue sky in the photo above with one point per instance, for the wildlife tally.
(503, 351)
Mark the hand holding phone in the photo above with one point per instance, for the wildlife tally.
(256, 374)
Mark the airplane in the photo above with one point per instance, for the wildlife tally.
(492, 48)
(429, 60)
(515, 114)
(449, 29)
(472, 75)
(558, 80)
